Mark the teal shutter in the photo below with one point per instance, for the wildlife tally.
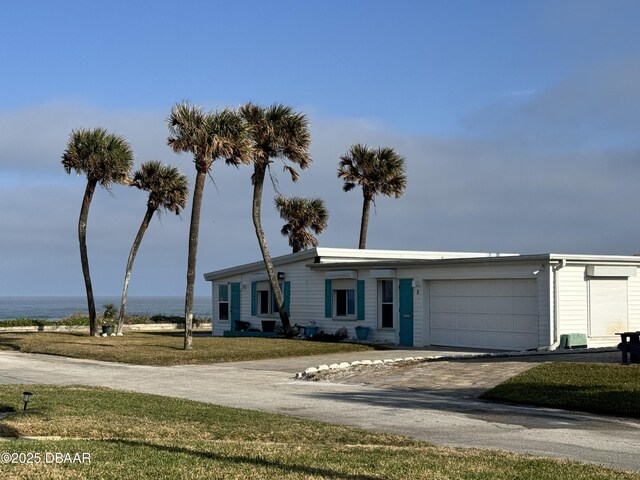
(360, 294)
(235, 302)
(287, 297)
(254, 295)
(327, 298)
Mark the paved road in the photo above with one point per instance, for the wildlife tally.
(435, 417)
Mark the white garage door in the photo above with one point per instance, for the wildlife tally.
(497, 314)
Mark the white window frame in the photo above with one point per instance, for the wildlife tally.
(344, 285)
(381, 303)
(272, 307)
(227, 302)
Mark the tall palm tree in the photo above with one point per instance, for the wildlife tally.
(277, 132)
(105, 158)
(208, 137)
(377, 171)
(302, 214)
(169, 191)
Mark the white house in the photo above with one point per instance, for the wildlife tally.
(481, 300)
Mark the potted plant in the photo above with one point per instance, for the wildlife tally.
(109, 319)
(362, 332)
(312, 329)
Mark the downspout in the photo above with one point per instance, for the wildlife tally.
(556, 300)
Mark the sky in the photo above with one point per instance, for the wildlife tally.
(519, 123)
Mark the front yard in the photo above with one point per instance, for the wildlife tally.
(135, 436)
(165, 348)
(588, 387)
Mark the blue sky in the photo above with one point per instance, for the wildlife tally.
(519, 122)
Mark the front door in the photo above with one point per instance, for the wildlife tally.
(406, 312)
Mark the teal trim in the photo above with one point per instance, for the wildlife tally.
(287, 296)
(406, 312)
(360, 293)
(235, 302)
(327, 298)
(254, 295)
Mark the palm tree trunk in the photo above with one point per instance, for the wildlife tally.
(194, 229)
(364, 225)
(132, 256)
(258, 182)
(84, 258)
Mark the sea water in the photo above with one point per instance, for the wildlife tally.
(54, 308)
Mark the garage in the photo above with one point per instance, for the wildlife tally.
(487, 313)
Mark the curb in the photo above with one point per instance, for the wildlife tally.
(312, 372)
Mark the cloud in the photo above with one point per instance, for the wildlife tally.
(551, 171)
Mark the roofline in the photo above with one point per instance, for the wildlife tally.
(385, 258)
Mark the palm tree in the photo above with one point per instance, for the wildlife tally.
(277, 132)
(208, 137)
(377, 171)
(302, 214)
(105, 158)
(169, 191)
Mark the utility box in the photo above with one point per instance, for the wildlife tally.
(573, 340)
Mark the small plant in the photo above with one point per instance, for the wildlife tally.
(109, 315)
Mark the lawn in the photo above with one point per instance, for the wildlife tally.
(163, 348)
(588, 387)
(137, 436)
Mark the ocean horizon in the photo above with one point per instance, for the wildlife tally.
(57, 307)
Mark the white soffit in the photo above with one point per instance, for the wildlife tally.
(383, 273)
(341, 274)
(611, 271)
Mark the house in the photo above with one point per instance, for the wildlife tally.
(413, 298)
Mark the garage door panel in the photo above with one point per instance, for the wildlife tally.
(491, 313)
(498, 305)
(525, 324)
(524, 305)
(525, 288)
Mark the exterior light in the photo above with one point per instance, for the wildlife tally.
(26, 398)
(280, 275)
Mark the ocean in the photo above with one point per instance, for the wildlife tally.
(54, 308)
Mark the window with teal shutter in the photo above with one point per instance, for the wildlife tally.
(360, 288)
(327, 298)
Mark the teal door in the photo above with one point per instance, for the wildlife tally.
(406, 312)
(235, 304)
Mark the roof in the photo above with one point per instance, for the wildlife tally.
(326, 258)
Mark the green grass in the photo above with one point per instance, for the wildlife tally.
(137, 436)
(165, 348)
(588, 387)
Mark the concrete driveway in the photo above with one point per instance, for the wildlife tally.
(441, 417)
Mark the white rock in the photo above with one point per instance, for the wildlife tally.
(334, 366)
(311, 370)
(345, 365)
(388, 360)
(409, 359)
(419, 359)
(367, 362)
(378, 362)
(323, 367)
(399, 360)
(119, 334)
(356, 363)
(103, 335)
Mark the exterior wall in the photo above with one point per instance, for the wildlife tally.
(573, 305)
(307, 295)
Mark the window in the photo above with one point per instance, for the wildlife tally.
(345, 302)
(385, 303)
(223, 301)
(266, 299)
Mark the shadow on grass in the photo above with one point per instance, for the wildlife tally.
(243, 459)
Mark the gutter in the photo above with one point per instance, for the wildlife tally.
(556, 299)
